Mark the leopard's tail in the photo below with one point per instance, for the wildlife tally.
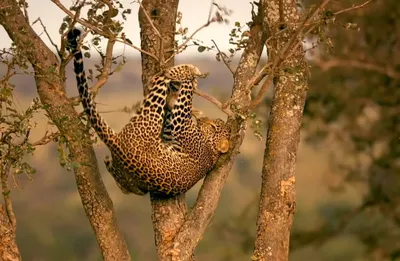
(105, 132)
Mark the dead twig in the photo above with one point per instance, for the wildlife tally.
(182, 46)
(46, 138)
(353, 7)
(223, 58)
(48, 35)
(212, 99)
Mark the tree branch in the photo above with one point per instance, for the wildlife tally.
(212, 99)
(8, 246)
(223, 58)
(198, 219)
(326, 65)
(167, 214)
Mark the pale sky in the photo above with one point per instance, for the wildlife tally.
(195, 14)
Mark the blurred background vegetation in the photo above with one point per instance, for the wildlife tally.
(348, 169)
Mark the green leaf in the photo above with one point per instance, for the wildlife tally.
(201, 49)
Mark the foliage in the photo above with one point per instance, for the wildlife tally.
(353, 112)
(15, 126)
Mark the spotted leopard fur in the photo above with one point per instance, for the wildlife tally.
(140, 161)
(203, 136)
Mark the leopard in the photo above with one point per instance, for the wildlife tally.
(190, 136)
(141, 161)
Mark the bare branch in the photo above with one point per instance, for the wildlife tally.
(260, 95)
(223, 58)
(48, 35)
(212, 99)
(210, 20)
(364, 65)
(103, 78)
(46, 139)
(353, 7)
(325, 232)
(181, 47)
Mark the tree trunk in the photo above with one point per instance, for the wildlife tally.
(95, 199)
(8, 245)
(167, 214)
(277, 202)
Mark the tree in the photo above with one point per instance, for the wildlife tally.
(275, 24)
(357, 115)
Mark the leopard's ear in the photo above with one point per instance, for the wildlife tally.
(174, 86)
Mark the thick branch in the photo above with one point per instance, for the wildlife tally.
(95, 200)
(277, 201)
(207, 201)
(8, 246)
(163, 18)
(167, 214)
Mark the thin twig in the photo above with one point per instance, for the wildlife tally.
(288, 46)
(181, 47)
(353, 7)
(46, 139)
(215, 101)
(286, 52)
(48, 35)
(97, 30)
(365, 65)
(223, 58)
(103, 78)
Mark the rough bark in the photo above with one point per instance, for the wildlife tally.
(95, 199)
(8, 245)
(277, 202)
(198, 219)
(163, 17)
(167, 214)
